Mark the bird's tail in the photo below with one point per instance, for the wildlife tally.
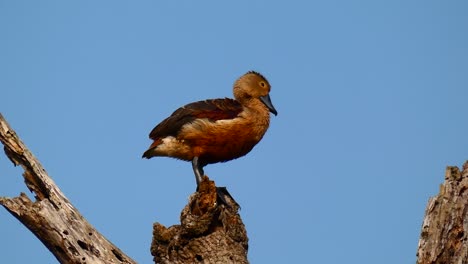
(149, 153)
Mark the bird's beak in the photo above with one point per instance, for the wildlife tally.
(267, 101)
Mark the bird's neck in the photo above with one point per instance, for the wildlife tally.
(256, 111)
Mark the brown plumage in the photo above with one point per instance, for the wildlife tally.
(216, 130)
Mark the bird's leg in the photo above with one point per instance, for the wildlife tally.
(222, 192)
(198, 170)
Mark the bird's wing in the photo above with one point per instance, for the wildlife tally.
(213, 110)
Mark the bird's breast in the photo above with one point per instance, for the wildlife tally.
(222, 140)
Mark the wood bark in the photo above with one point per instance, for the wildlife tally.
(211, 231)
(51, 217)
(444, 235)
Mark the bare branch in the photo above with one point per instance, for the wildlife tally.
(52, 218)
(444, 235)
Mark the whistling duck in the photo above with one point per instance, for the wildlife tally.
(216, 130)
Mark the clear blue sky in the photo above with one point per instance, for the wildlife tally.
(371, 95)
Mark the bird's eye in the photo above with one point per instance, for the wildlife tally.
(262, 84)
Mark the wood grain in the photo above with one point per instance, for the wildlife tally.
(51, 217)
(444, 235)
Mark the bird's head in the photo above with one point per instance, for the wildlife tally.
(253, 85)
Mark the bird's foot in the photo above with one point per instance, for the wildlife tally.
(224, 197)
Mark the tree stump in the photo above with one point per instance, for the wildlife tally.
(211, 231)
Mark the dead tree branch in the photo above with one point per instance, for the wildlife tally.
(51, 217)
(444, 235)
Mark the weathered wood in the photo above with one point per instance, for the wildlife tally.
(51, 217)
(211, 231)
(444, 235)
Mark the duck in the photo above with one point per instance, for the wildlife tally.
(216, 130)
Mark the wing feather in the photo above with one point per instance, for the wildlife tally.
(213, 110)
